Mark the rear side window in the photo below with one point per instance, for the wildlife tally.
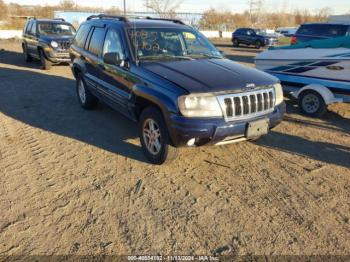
(28, 26)
(33, 29)
(326, 30)
(96, 42)
(81, 35)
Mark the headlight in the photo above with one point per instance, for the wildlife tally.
(199, 105)
(54, 44)
(279, 93)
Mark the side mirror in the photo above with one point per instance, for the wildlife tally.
(112, 58)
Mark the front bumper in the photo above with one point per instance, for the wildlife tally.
(57, 56)
(271, 42)
(216, 131)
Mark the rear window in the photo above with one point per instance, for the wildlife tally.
(96, 42)
(81, 35)
(325, 30)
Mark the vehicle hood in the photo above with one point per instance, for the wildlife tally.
(56, 38)
(210, 75)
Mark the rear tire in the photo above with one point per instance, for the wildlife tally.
(45, 63)
(154, 137)
(258, 44)
(27, 57)
(86, 99)
(235, 43)
(312, 104)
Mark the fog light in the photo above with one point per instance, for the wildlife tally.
(191, 142)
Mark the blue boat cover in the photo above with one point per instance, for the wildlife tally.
(324, 43)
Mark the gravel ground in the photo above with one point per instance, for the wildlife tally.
(76, 182)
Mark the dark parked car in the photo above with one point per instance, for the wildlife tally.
(47, 40)
(171, 80)
(254, 37)
(312, 31)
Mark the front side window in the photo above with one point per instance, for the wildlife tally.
(113, 44)
(170, 43)
(55, 29)
(96, 42)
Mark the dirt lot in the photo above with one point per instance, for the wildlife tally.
(76, 182)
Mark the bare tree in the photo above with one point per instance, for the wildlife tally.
(164, 8)
(67, 4)
(323, 13)
(255, 7)
(3, 8)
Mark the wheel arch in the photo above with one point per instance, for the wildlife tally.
(143, 97)
(323, 91)
(76, 70)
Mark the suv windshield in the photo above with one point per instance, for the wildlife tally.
(170, 43)
(55, 29)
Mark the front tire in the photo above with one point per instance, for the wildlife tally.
(86, 99)
(45, 63)
(27, 57)
(235, 43)
(312, 104)
(154, 137)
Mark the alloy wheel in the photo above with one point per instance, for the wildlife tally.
(151, 136)
(81, 91)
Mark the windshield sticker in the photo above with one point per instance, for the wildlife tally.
(65, 27)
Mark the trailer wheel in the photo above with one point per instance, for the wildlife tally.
(312, 104)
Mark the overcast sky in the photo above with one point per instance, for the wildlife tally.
(337, 6)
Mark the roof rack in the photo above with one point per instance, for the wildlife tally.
(177, 21)
(102, 16)
(125, 19)
(59, 19)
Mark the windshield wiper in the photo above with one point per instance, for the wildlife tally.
(207, 55)
(154, 57)
(179, 57)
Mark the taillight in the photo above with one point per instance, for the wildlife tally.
(294, 40)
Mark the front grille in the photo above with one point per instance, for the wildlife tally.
(64, 45)
(248, 104)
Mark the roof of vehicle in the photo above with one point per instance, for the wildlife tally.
(327, 23)
(336, 42)
(58, 21)
(137, 22)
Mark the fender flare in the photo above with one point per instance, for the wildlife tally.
(77, 65)
(323, 91)
(164, 102)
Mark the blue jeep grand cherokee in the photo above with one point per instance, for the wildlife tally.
(171, 80)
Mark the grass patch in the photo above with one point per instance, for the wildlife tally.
(284, 40)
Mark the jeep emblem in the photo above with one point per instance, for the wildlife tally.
(250, 86)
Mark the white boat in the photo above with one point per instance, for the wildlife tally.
(316, 72)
